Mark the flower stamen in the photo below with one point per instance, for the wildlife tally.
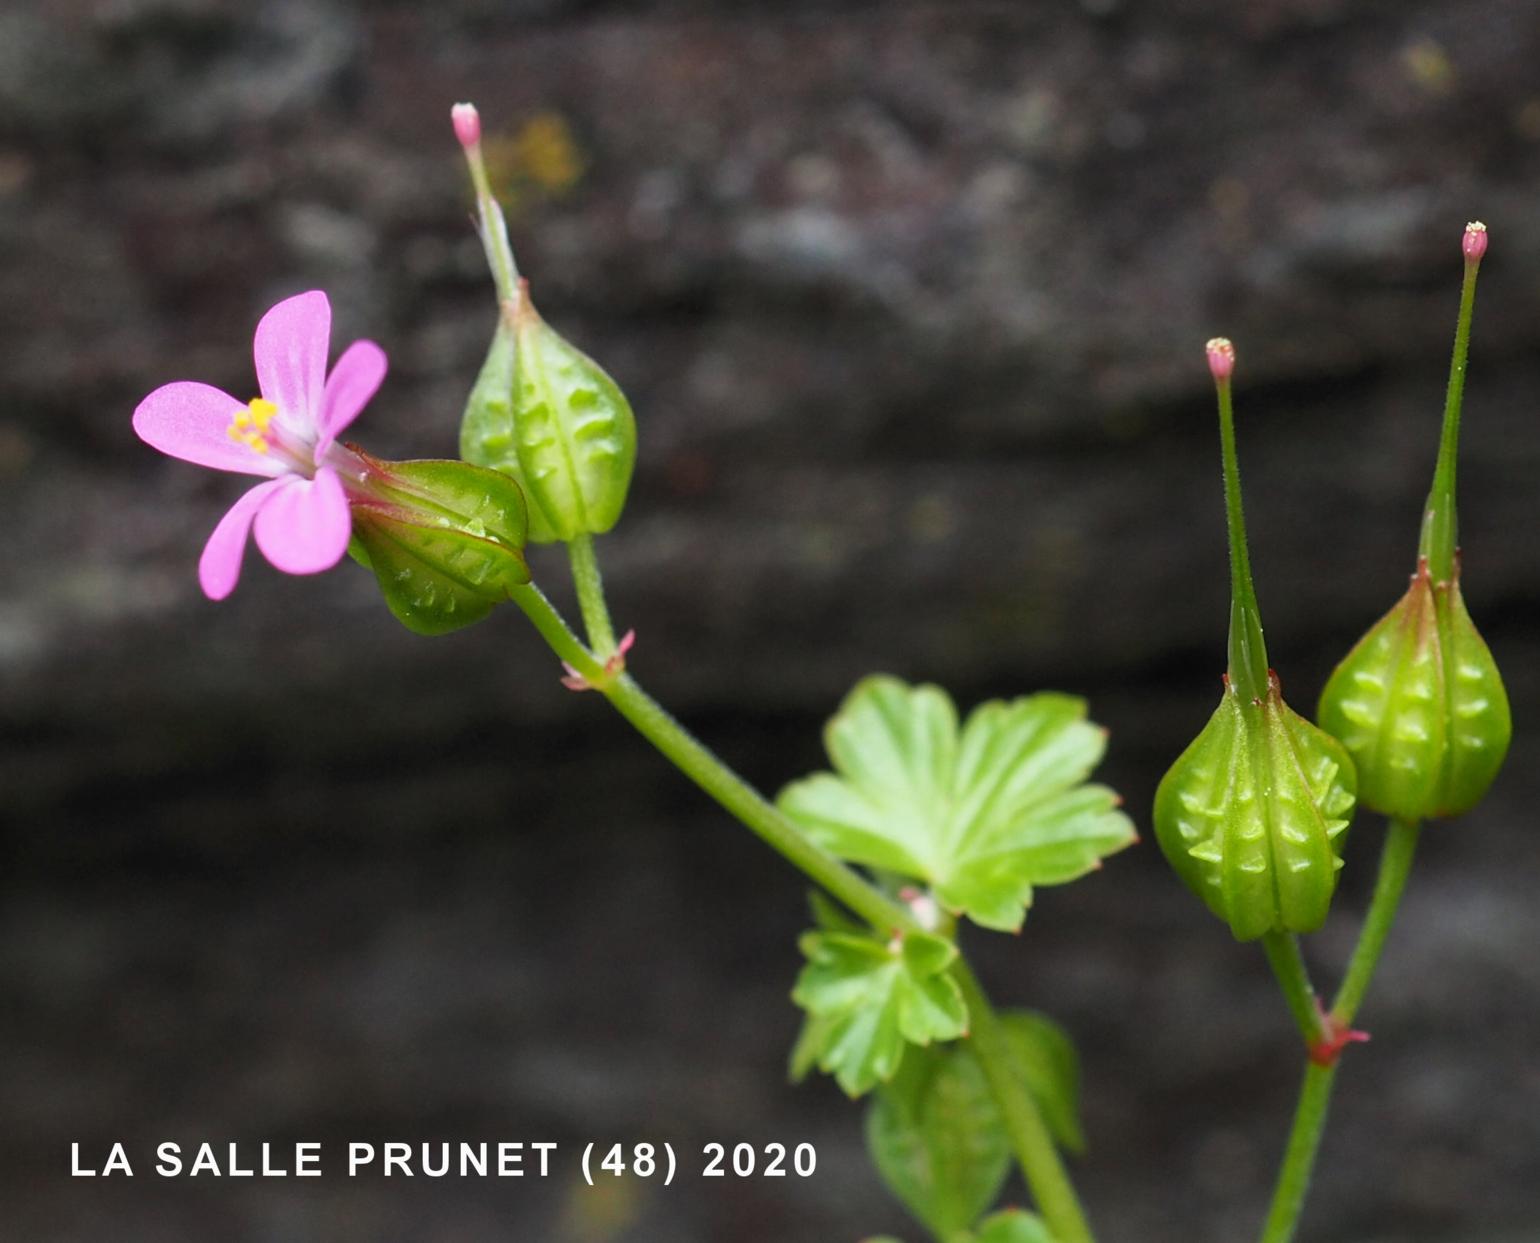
(249, 423)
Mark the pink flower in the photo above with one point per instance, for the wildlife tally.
(299, 513)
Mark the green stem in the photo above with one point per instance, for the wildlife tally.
(1288, 965)
(1248, 654)
(1029, 1135)
(1439, 534)
(590, 594)
(745, 804)
(493, 228)
(714, 777)
(1395, 866)
(1299, 1158)
(1034, 1148)
(1315, 1094)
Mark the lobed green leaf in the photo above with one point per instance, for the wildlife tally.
(867, 999)
(983, 813)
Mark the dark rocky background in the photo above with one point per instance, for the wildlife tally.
(910, 300)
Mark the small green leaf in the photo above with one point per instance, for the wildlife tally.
(811, 1039)
(934, 1134)
(1046, 1059)
(867, 999)
(1013, 1225)
(982, 814)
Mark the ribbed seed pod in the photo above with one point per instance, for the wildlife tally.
(1418, 702)
(1253, 813)
(1251, 816)
(542, 412)
(562, 428)
(1420, 706)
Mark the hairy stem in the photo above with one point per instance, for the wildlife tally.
(1029, 1136)
(1288, 965)
(492, 227)
(1439, 537)
(1034, 1148)
(1299, 1157)
(590, 594)
(1315, 1093)
(1247, 667)
(1395, 866)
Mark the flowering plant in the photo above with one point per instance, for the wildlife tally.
(928, 819)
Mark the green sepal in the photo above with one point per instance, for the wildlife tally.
(866, 999)
(935, 1136)
(1253, 814)
(982, 813)
(445, 540)
(487, 428)
(1420, 706)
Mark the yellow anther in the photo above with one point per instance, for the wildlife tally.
(249, 422)
(262, 412)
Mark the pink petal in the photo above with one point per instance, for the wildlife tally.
(290, 350)
(220, 565)
(305, 526)
(191, 421)
(353, 381)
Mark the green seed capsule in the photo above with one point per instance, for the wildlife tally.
(1419, 702)
(445, 539)
(486, 431)
(1420, 706)
(1253, 814)
(567, 434)
(542, 412)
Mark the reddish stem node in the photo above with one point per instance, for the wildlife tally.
(1338, 1035)
(575, 681)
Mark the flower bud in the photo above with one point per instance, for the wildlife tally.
(1252, 815)
(1419, 702)
(444, 539)
(547, 415)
